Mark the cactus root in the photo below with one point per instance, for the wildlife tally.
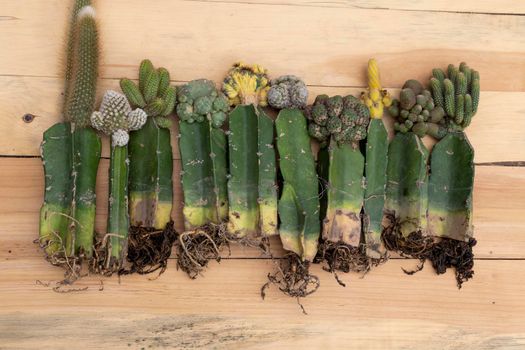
(293, 278)
(443, 253)
(149, 249)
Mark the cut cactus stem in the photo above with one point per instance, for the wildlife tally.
(345, 195)
(374, 197)
(450, 188)
(299, 232)
(56, 211)
(203, 175)
(118, 219)
(87, 149)
(407, 184)
(150, 180)
(252, 190)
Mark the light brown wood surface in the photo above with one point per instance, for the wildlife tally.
(327, 43)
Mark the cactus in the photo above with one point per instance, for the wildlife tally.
(150, 153)
(116, 118)
(252, 189)
(287, 91)
(376, 164)
(299, 232)
(419, 112)
(71, 150)
(202, 111)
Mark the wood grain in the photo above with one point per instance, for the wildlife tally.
(325, 45)
(499, 199)
(496, 131)
(384, 310)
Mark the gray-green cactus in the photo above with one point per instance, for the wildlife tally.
(287, 91)
(150, 153)
(417, 111)
(71, 150)
(116, 118)
(202, 110)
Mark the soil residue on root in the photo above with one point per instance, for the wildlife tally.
(443, 253)
(197, 247)
(149, 249)
(293, 278)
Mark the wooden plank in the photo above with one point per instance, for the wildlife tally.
(496, 132)
(499, 199)
(325, 45)
(385, 310)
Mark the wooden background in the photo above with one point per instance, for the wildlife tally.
(327, 43)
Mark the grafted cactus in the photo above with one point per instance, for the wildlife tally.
(252, 189)
(150, 153)
(71, 150)
(287, 91)
(202, 111)
(116, 119)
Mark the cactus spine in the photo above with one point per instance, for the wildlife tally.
(151, 157)
(376, 155)
(73, 149)
(252, 190)
(202, 143)
(299, 202)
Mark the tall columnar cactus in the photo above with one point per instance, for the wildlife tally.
(252, 189)
(202, 111)
(150, 153)
(71, 150)
(376, 163)
(116, 119)
(339, 123)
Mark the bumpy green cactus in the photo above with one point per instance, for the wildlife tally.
(202, 111)
(407, 185)
(416, 111)
(299, 232)
(458, 94)
(150, 153)
(252, 189)
(287, 91)
(71, 154)
(116, 118)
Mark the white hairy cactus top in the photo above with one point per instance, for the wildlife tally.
(86, 11)
(116, 117)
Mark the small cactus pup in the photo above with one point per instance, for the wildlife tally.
(252, 184)
(452, 173)
(202, 112)
(376, 156)
(71, 152)
(339, 124)
(151, 233)
(116, 118)
(298, 205)
(418, 112)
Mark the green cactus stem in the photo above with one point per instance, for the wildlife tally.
(450, 188)
(151, 156)
(252, 188)
(299, 233)
(56, 211)
(71, 150)
(374, 198)
(407, 185)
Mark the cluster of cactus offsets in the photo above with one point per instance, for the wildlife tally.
(287, 91)
(252, 184)
(150, 153)
(376, 156)
(342, 119)
(417, 111)
(116, 119)
(71, 150)
(202, 110)
(457, 93)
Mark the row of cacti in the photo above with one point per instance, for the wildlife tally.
(232, 154)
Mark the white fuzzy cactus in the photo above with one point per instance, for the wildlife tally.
(116, 118)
